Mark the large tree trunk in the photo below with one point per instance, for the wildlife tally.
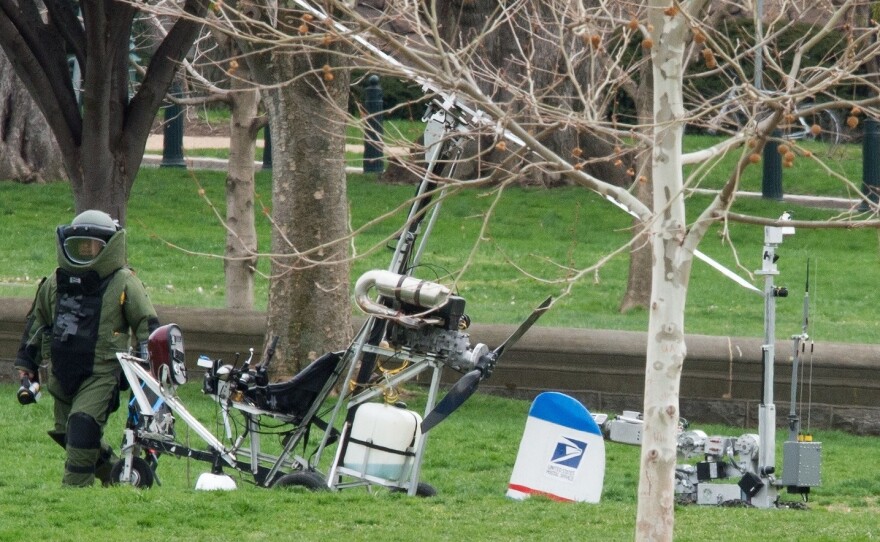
(309, 307)
(102, 140)
(28, 151)
(241, 234)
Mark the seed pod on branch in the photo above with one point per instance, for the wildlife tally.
(709, 58)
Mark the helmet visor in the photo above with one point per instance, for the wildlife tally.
(82, 250)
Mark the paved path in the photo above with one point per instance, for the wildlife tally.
(154, 142)
(153, 152)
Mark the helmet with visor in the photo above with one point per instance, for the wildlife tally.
(86, 236)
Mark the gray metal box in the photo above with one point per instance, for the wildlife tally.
(801, 464)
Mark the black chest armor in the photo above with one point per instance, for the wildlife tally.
(75, 328)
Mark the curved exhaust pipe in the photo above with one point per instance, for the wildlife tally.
(403, 288)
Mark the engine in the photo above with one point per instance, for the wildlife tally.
(426, 319)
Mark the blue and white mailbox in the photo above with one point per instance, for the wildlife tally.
(562, 452)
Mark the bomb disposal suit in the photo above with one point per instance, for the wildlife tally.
(81, 317)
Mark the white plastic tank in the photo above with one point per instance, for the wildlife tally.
(382, 441)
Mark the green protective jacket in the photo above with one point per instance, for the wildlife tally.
(84, 314)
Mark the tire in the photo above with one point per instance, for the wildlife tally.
(142, 475)
(829, 137)
(422, 490)
(301, 480)
(830, 125)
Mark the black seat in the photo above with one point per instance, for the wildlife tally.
(295, 396)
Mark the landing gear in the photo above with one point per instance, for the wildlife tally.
(301, 480)
(142, 475)
(422, 490)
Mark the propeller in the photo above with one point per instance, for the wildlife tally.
(467, 385)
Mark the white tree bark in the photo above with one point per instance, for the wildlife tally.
(672, 258)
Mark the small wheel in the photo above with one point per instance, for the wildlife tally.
(308, 480)
(141, 473)
(422, 490)
(829, 124)
(828, 134)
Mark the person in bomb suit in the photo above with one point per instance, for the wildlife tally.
(81, 317)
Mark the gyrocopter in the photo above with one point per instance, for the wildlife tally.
(420, 325)
(417, 323)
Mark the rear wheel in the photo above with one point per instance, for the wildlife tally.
(141, 473)
(301, 480)
(422, 490)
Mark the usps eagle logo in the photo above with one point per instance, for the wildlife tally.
(568, 453)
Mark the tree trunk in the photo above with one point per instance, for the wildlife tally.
(671, 267)
(241, 234)
(309, 307)
(28, 151)
(638, 285)
(101, 140)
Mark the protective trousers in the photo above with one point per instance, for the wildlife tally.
(79, 426)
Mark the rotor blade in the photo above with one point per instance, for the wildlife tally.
(454, 398)
(520, 331)
(727, 272)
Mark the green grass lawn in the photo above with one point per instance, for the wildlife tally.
(469, 459)
(534, 239)
(817, 169)
(534, 242)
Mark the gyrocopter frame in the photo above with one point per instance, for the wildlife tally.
(419, 325)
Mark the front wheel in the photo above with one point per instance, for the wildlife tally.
(141, 473)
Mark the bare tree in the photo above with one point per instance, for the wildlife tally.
(241, 237)
(215, 74)
(669, 33)
(294, 64)
(305, 91)
(28, 152)
(102, 139)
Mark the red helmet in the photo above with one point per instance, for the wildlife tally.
(167, 360)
